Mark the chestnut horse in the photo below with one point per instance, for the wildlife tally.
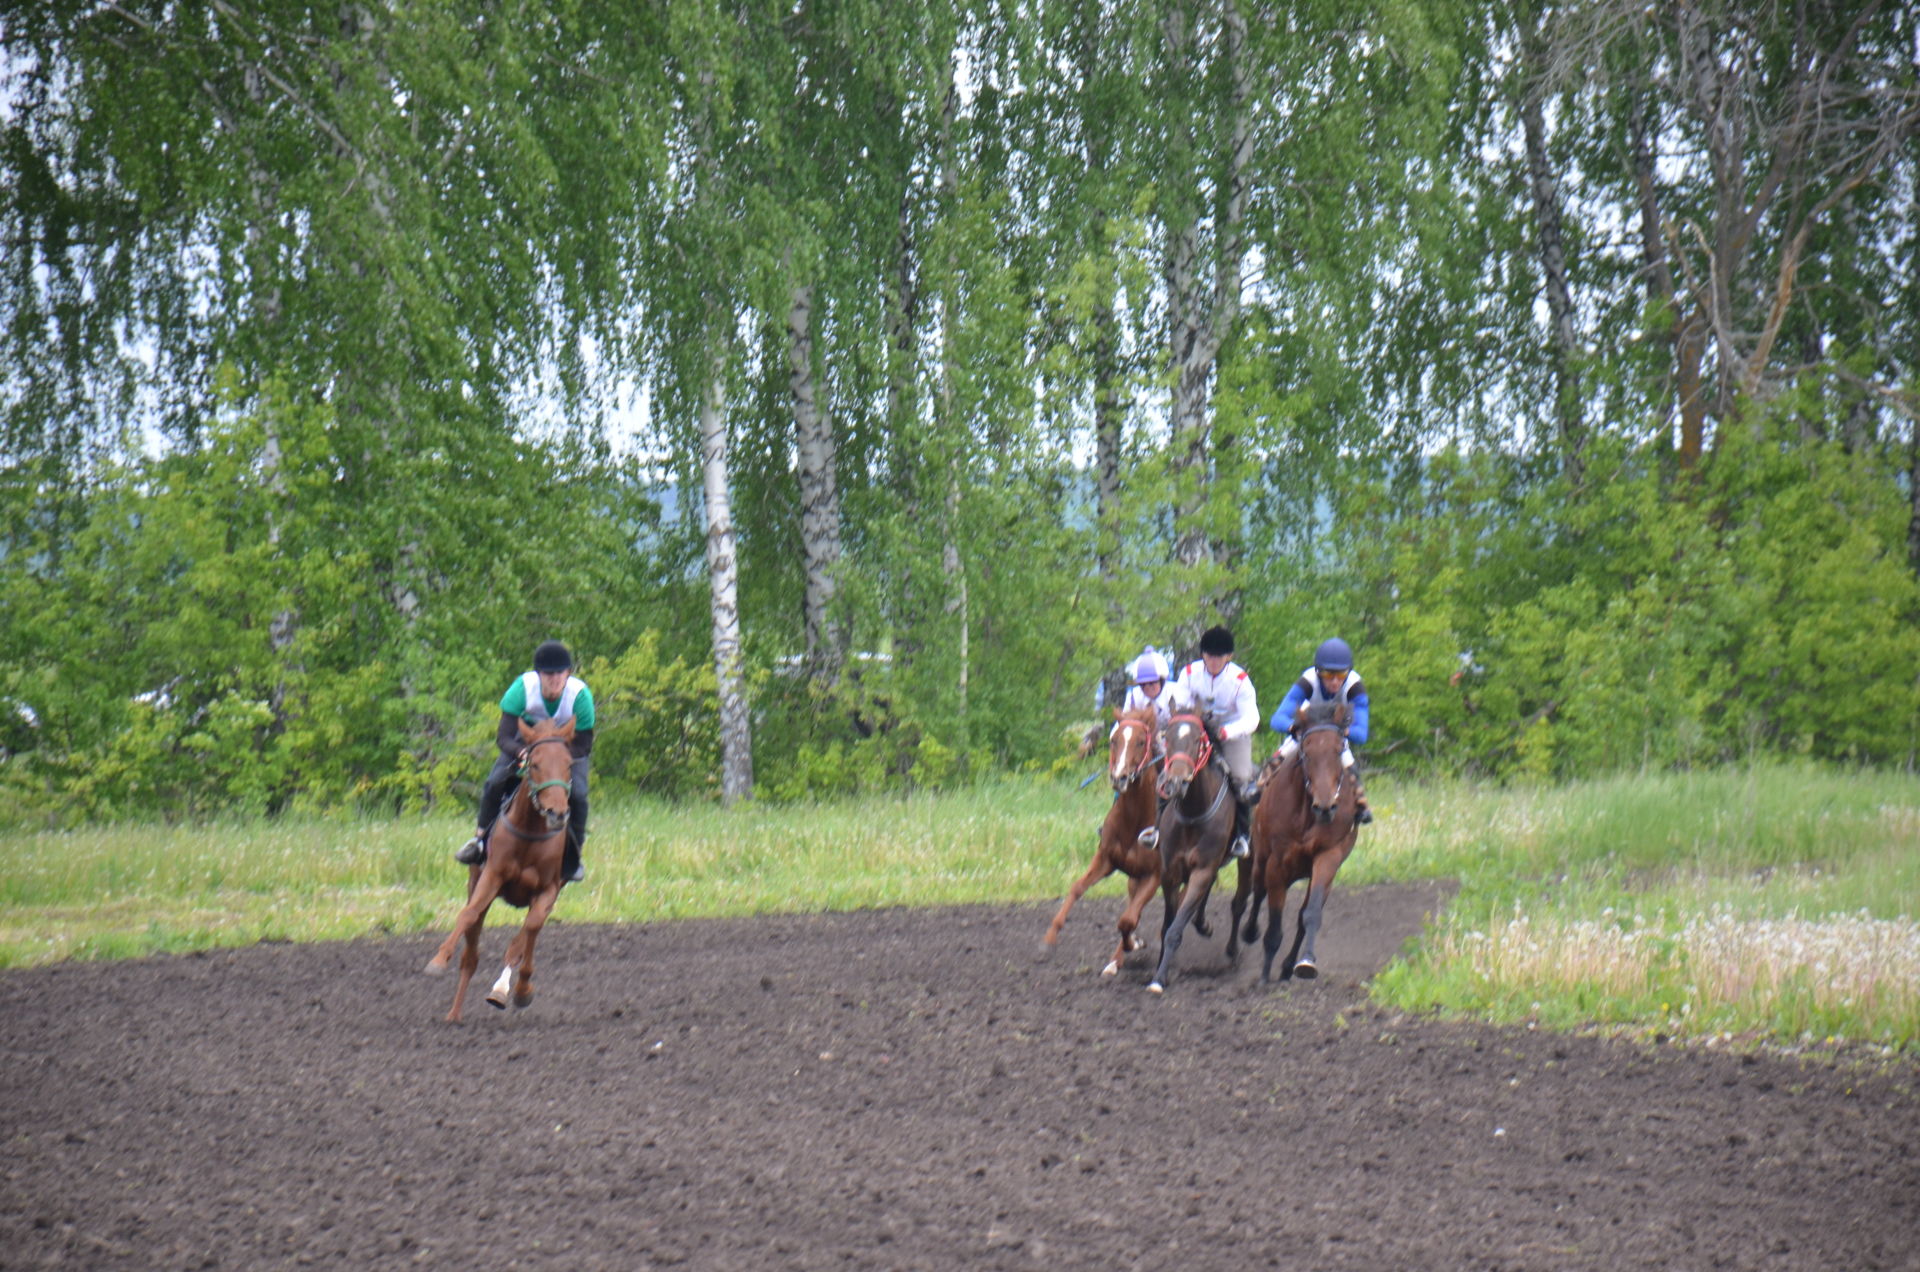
(1303, 828)
(522, 866)
(1195, 830)
(1129, 764)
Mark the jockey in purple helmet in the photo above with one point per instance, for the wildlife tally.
(1330, 679)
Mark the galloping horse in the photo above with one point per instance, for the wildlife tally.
(522, 866)
(1303, 828)
(1129, 765)
(1195, 829)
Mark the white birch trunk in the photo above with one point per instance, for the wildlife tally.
(736, 740)
(819, 497)
(1199, 316)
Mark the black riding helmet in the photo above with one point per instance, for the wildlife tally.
(552, 656)
(1216, 640)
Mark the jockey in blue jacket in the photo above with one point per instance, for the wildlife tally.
(1330, 679)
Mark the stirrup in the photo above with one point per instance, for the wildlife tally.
(1238, 848)
(471, 853)
(1150, 837)
(579, 875)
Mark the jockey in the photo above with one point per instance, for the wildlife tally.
(549, 692)
(1149, 675)
(1330, 679)
(1218, 687)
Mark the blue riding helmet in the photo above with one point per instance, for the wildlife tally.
(1333, 655)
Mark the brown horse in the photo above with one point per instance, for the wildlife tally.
(1195, 829)
(1303, 828)
(522, 869)
(1129, 770)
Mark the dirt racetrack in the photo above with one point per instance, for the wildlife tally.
(902, 1089)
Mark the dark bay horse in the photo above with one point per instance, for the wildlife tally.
(1130, 772)
(1303, 828)
(1195, 829)
(522, 868)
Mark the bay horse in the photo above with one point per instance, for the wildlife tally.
(1129, 771)
(1303, 828)
(1196, 828)
(522, 866)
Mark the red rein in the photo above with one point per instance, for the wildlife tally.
(1206, 745)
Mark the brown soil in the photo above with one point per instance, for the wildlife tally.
(903, 1090)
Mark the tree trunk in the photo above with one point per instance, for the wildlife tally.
(736, 740)
(1201, 312)
(819, 497)
(1689, 327)
(1553, 271)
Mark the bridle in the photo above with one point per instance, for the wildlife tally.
(1306, 781)
(1206, 745)
(535, 790)
(1124, 728)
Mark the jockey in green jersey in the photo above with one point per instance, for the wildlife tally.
(549, 692)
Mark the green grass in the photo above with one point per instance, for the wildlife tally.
(1770, 903)
(1774, 903)
(118, 891)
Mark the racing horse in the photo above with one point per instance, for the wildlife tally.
(1303, 828)
(1129, 770)
(1195, 829)
(522, 867)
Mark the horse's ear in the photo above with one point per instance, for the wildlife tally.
(1343, 714)
(1300, 715)
(566, 730)
(526, 730)
(1119, 713)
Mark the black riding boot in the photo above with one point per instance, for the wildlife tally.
(1242, 823)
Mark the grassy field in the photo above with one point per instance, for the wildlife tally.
(1774, 902)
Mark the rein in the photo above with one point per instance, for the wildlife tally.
(1206, 747)
(503, 821)
(1199, 766)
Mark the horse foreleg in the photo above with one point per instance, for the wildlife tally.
(516, 979)
(1139, 892)
(481, 891)
(1195, 896)
(1102, 867)
(1324, 867)
(469, 960)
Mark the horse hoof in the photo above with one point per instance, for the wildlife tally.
(434, 967)
(1111, 968)
(1156, 988)
(1305, 970)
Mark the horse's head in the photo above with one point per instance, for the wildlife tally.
(547, 767)
(1131, 745)
(1323, 731)
(1189, 747)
